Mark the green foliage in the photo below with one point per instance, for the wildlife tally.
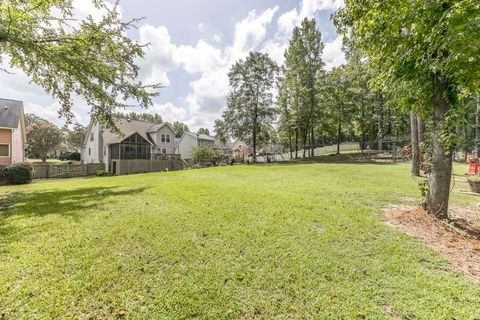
(75, 137)
(203, 153)
(250, 102)
(92, 58)
(103, 173)
(180, 128)
(203, 131)
(43, 137)
(147, 117)
(20, 173)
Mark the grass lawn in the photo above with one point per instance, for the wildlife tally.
(281, 241)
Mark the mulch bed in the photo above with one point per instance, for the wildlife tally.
(458, 240)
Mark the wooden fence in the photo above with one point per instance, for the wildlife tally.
(49, 171)
(142, 166)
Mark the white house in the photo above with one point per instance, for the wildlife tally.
(136, 140)
(189, 141)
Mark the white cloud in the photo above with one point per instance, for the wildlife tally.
(332, 53)
(201, 27)
(201, 58)
(169, 112)
(217, 38)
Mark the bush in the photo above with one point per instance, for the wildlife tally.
(20, 173)
(102, 173)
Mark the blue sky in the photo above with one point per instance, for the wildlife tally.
(193, 43)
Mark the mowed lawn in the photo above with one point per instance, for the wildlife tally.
(280, 241)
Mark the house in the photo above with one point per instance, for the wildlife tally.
(135, 140)
(189, 141)
(240, 149)
(12, 132)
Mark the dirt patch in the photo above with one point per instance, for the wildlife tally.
(456, 244)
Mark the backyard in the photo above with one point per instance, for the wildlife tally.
(278, 241)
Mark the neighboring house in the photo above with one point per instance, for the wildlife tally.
(240, 149)
(189, 141)
(136, 140)
(12, 132)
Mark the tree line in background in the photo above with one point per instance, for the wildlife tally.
(405, 74)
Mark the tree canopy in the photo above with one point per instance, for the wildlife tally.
(92, 58)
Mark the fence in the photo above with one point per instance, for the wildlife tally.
(142, 166)
(47, 171)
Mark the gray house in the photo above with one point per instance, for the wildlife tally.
(189, 141)
(137, 140)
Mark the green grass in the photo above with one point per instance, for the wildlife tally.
(282, 241)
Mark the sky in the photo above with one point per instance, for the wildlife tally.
(192, 45)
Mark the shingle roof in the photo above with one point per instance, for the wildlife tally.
(127, 128)
(10, 113)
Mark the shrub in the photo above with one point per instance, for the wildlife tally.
(102, 173)
(20, 173)
(75, 156)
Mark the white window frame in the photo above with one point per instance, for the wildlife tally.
(164, 151)
(167, 138)
(9, 150)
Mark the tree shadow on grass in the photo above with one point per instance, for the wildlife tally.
(74, 203)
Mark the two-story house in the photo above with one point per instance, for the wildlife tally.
(136, 140)
(189, 141)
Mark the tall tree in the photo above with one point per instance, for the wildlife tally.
(303, 73)
(203, 131)
(416, 161)
(147, 117)
(433, 47)
(250, 102)
(66, 56)
(477, 128)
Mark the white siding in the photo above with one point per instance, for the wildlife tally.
(169, 146)
(93, 150)
(186, 145)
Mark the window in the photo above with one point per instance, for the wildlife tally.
(164, 151)
(91, 136)
(4, 150)
(163, 138)
(104, 151)
(89, 151)
(168, 138)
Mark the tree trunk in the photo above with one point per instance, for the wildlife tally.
(296, 143)
(362, 125)
(305, 133)
(339, 136)
(421, 131)
(312, 138)
(290, 143)
(477, 128)
(415, 144)
(43, 156)
(441, 172)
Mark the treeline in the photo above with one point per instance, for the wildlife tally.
(302, 105)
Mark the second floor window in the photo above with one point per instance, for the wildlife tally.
(166, 138)
(91, 136)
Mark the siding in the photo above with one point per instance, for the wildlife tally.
(186, 145)
(164, 145)
(18, 152)
(6, 137)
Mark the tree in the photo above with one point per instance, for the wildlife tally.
(250, 102)
(180, 128)
(43, 137)
(91, 58)
(431, 47)
(416, 161)
(147, 117)
(303, 72)
(221, 132)
(477, 128)
(76, 136)
(204, 131)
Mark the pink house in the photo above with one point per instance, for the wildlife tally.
(12, 132)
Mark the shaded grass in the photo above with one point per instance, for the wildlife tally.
(284, 241)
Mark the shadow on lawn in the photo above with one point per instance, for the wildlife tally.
(72, 203)
(63, 202)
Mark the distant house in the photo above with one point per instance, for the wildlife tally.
(12, 132)
(136, 140)
(189, 141)
(240, 149)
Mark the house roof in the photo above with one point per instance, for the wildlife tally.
(10, 113)
(129, 127)
(195, 135)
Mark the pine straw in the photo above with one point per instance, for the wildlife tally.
(456, 241)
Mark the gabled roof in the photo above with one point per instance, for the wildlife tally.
(195, 135)
(127, 128)
(157, 127)
(11, 112)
